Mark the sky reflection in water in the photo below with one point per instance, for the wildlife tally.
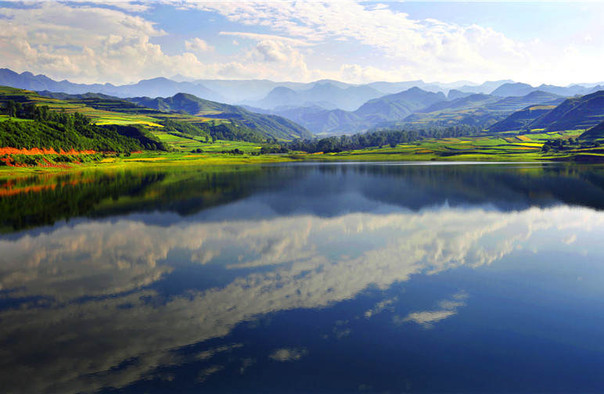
(313, 278)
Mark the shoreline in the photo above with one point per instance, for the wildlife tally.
(152, 160)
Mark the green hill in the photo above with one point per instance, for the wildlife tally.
(397, 106)
(594, 133)
(29, 126)
(574, 113)
(219, 121)
(520, 120)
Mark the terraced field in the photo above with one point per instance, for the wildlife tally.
(505, 147)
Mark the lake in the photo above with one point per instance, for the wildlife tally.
(355, 277)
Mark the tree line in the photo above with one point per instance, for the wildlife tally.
(376, 138)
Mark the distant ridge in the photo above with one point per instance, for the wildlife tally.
(272, 125)
(149, 87)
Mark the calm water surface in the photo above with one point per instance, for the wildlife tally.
(304, 278)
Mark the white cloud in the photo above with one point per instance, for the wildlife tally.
(262, 37)
(446, 309)
(403, 48)
(115, 41)
(85, 43)
(197, 45)
(288, 354)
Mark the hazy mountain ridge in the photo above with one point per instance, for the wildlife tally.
(389, 108)
(522, 89)
(148, 87)
(481, 110)
(272, 125)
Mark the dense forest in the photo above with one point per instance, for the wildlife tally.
(31, 126)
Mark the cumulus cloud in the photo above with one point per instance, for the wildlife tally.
(85, 43)
(113, 41)
(198, 45)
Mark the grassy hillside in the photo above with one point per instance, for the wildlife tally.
(595, 132)
(574, 113)
(521, 120)
(219, 121)
(29, 126)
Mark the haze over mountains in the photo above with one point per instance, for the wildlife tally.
(332, 107)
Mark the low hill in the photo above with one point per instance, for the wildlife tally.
(456, 94)
(520, 120)
(397, 106)
(267, 125)
(594, 133)
(574, 113)
(30, 126)
(221, 121)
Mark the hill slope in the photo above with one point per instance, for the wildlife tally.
(31, 126)
(594, 133)
(481, 110)
(574, 113)
(521, 120)
(268, 125)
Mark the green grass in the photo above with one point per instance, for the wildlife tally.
(4, 118)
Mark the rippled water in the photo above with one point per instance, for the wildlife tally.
(304, 278)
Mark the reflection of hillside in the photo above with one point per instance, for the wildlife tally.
(324, 190)
(506, 187)
(90, 298)
(42, 200)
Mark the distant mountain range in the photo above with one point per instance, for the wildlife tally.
(389, 108)
(148, 87)
(415, 107)
(333, 107)
(254, 92)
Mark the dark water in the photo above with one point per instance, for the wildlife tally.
(304, 278)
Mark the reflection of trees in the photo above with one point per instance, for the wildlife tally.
(102, 305)
(42, 200)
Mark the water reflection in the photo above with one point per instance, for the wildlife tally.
(120, 301)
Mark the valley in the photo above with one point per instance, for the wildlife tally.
(500, 121)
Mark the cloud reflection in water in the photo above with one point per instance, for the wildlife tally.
(103, 308)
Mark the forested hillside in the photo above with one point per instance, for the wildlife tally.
(30, 126)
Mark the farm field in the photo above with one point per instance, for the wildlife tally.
(504, 147)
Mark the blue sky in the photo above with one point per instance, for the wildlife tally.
(358, 42)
